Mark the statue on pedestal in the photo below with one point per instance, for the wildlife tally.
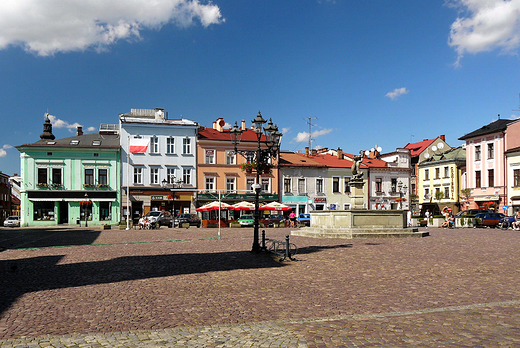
(357, 174)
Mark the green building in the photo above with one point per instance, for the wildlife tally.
(72, 181)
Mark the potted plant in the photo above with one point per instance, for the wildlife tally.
(42, 185)
(247, 167)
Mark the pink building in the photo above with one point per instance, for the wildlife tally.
(485, 166)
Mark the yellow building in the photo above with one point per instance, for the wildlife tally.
(440, 180)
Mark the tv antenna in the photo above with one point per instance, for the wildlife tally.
(308, 120)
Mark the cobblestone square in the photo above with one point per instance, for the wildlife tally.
(188, 288)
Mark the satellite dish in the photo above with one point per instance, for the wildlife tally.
(434, 148)
(426, 155)
(379, 149)
(367, 153)
(372, 150)
(440, 145)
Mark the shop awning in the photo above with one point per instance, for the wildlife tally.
(486, 198)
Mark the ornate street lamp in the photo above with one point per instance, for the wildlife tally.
(171, 184)
(271, 148)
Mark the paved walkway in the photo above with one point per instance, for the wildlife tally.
(185, 288)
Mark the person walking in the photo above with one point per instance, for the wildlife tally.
(516, 223)
(427, 215)
(292, 217)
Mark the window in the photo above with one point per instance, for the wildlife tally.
(437, 191)
(287, 185)
(105, 209)
(447, 192)
(491, 177)
(42, 176)
(230, 157)
(426, 192)
(103, 177)
(249, 183)
(446, 172)
(379, 185)
(477, 153)
(394, 184)
(335, 184)
(210, 183)
(186, 176)
(56, 176)
(490, 151)
(210, 157)
(477, 179)
(516, 177)
(347, 186)
(319, 185)
(426, 174)
(170, 175)
(89, 176)
(346, 206)
(154, 176)
(43, 211)
(265, 184)
(138, 175)
(437, 173)
(154, 144)
(170, 145)
(301, 185)
(230, 184)
(186, 146)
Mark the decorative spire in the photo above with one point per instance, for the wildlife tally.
(47, 129)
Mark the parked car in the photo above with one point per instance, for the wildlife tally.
(191, 219)
(160, 218)
(471, 212)
(273, 220)
(12, 221)
(246, 220)
(305, 219)
(488, 219)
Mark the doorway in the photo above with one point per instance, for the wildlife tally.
(63, 213)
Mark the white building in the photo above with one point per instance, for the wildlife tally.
(158, 157)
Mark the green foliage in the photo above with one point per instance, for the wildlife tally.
(439, 195)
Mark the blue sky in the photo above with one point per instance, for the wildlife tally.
(365, 72)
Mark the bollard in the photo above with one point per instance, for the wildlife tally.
(263, 241)
(287, 255)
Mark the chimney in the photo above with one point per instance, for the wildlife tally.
(307, 151)
(79, 130)
(443, 137)
(314, 152)
(243, 126)
(159, 114)
(214, 124)
(219, 124)
(340, 153)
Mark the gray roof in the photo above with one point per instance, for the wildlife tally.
(493, 127)
(92, 140)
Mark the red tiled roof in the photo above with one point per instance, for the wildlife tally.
(298, 159)
(213, 134)
(332, 161)
(417, 148)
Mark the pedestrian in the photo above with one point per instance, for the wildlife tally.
(427, 217)
(292, 217)
(516, 223)
(409, 218)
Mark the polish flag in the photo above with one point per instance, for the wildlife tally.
(138, 145)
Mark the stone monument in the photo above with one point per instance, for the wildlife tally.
(358, 222)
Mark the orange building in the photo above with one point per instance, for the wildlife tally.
(220, 169)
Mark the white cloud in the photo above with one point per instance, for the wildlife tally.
(48, 27)
(72, 127)
(7, 146)
(397, 93)
(286, 130)
(3, 153)
(304, 136)
(487, 25)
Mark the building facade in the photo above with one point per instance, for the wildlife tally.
(222, 173)
(441, 179)
(70, 180)
(5, 197)
(159, 163)
(513, 167)
(485, 166)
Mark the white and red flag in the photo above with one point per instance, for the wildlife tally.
(139, 145)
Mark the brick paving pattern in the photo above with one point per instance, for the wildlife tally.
(185, 288)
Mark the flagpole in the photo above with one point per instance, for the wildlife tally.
(127, 184)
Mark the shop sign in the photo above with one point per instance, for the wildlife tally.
(320, 200)
(157, 198)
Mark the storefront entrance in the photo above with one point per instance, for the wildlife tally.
(63, 212)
